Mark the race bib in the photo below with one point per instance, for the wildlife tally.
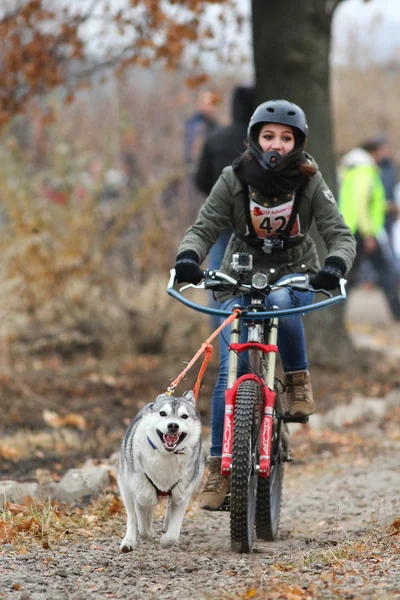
(270, 222)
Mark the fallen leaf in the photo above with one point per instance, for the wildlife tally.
(395, 527)
(74, 420)
(8, 452)
(294, 592)
(52, 418)
(83, 532)
(56, 421)
(281, 567)
(115, 506)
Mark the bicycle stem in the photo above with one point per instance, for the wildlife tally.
(272, 339)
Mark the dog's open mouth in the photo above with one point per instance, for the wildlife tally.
(171, 440)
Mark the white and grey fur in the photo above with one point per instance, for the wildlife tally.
(161, 451)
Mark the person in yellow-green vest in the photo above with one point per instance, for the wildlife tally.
(363, 205)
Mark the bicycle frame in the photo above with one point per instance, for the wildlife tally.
(266, 382)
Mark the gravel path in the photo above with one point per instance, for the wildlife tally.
(341, 494)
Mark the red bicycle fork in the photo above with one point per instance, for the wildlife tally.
(264, 466)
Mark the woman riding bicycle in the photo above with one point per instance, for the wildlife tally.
(270, 196)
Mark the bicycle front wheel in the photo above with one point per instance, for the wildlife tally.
(245, 453)
(269, 489)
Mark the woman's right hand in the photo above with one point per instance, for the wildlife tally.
(187, 268)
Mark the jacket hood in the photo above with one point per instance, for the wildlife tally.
(243, 104)
(357, 158)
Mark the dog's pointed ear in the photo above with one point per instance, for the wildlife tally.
(189, 396)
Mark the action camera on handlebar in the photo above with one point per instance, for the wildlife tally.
(242, 262)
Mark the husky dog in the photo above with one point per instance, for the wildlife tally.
(161, 455)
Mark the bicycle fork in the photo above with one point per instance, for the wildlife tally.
(266, 382)
(269, 402)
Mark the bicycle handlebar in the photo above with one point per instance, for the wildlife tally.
(298, 281)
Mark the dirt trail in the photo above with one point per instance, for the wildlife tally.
(339, 534)
(340, 496)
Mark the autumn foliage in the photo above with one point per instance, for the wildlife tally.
(35, 42)
(42, 46)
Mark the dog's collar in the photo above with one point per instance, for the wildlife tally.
(177, 451)
(151, 443)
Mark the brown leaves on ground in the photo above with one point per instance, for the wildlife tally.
(55, 420)
(343, 572)
(395, 527)
(47, 524)
(8, 452)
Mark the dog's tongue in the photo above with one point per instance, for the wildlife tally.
(170, 439)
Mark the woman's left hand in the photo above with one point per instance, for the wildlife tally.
(329, 276)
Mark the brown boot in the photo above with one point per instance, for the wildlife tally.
(299, 394)
(216, 486)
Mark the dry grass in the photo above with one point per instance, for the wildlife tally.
(48, 524)
(69, 269)
(356, 568)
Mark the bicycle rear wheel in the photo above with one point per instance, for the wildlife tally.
(269, 489)
(245, 453)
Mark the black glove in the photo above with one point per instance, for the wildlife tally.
(328, 277)
(187, 268)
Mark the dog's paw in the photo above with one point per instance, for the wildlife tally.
(127, 545)
(168, 540)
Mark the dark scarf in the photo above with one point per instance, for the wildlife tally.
(282, 180)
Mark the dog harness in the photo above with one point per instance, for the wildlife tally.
(158, 491)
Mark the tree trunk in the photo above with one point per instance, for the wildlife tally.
(291, 42)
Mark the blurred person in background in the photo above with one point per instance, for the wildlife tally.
(201, 123)
(362, 201)
(222, 146)
(197, 127)
(389, 179)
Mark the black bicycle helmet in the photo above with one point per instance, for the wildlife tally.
(276, 111)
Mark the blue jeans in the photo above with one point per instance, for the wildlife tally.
(214, 262)
(291, 345)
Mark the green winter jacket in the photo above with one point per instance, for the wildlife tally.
(225, 207)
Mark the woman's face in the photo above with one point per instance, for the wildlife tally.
(274, 136)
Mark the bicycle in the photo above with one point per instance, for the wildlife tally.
(255, 440)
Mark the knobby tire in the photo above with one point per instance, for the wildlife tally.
(269, 489)
(245, 453)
